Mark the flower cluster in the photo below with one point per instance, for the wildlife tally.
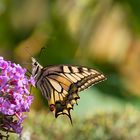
(15, 98)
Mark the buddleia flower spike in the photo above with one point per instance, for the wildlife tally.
(15, 98)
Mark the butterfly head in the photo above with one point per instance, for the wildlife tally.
(36, 68)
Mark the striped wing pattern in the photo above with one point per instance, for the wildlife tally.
(60, 86)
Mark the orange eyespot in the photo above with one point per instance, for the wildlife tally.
(52, 107)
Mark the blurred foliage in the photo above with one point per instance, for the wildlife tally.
(121, 125)
(132, 7)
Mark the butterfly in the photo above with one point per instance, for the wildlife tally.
(60, 84)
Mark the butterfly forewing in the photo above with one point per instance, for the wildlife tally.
(60, 85)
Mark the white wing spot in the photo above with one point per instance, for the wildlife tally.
(71, 77)
(93, 71)
(66, 69)
(89, 81)
(74, 69)
(88, 73)
(102, 76)
(79, 75)
(93, 80)
(82, 86)
(85, 74)
(86, 84)
(86, 69)
(75, 76)
(96, 78)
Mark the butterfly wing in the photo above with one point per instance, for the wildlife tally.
(61, 84)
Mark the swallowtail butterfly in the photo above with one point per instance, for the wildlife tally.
(60, 84)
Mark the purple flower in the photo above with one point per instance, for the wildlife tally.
(15, 98)
(3, 64)
(3, 81)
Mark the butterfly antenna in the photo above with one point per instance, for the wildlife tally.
(43, 48)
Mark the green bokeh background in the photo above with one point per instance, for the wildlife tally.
(104, 35)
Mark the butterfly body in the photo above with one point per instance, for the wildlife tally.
(60, 84)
